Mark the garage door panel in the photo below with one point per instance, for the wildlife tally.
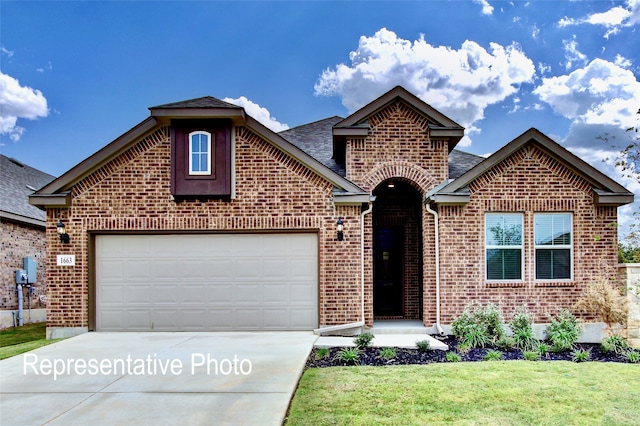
(206, 282)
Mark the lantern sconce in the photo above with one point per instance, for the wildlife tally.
(62, 232)
(340, 229)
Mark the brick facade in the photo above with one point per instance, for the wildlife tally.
(528, 182)
(20, 241)
(275, 191)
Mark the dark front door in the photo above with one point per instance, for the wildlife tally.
(388, 272)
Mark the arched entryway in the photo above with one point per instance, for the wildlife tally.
(397, 251)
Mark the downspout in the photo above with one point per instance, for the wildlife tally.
(362, 215)
(437, 249)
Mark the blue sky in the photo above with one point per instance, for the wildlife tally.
(76, 75)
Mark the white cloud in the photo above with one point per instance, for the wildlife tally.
(572, 54)
(18, 102)
(5, 51)
(613, 19)
(259, 113)
(487, 9)
(460, 83)
(622, 62)
(600, 93)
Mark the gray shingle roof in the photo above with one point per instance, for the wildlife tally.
(316, 139)
(17, 182)
(203, 102)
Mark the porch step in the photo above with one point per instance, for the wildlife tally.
(399, 327)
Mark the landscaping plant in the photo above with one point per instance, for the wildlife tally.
(423, 345)
(452, 357)
(633, 357)
(563, 331)
(580, 355)
(615, 343)
(478, 326)
(350, 356)
(604, 298)
(522, 329)
(387, 353)
(363, 340)
(493, 355)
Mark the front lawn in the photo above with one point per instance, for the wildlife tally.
(17, 340)
(496, 393)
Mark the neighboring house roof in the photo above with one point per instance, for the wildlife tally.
(17, 182)
(606, 190)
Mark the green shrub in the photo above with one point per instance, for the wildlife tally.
(531, 355)
(522, 329)
(505, 343)
(493, 355)
(423, 345)
(632, 357)
(563, 331)
(580, 355)
(615, 343)
(452, 357)
(349, 355)
(363, 340)
(321, 353)
(543, 349)
(387, 353)
(479, 326)
(463, 348)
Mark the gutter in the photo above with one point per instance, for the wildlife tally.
(437, 250)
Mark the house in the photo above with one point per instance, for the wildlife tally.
(22, 227)
(201, 218)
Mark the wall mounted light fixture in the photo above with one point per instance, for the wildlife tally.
(62, 232)
(340, 229)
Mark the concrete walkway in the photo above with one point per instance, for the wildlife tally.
(383, 340)
(155, 378)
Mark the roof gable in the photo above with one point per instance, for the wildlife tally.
(440, 125)
(57, 193)
(606, 190)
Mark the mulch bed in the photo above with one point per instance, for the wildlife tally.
(404, 356)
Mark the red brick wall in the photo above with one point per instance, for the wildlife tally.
(399, 146)
(527, 182)
(273, 192)
(20, 241)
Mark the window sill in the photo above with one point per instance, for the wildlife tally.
(554, 284)
(505, 284)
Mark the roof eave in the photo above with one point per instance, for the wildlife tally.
(610, 198)
(12, 217)
(356, 199)
(62, 199)
(236, 115)
(450, 199)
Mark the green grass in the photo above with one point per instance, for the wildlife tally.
(17, 340)
(479, 393)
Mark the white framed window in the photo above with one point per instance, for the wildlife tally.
(504, 248)
(553, 246)
(200, 153)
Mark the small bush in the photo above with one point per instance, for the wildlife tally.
(615, 343)
(522, 329)
(493, 355)
(564, 331)
(543, 349)
(452, 357)
(423, 345)
(463, 348)
(580, 355)
(531, 355)
(387, 353)
(505, 343)
(479, 326)
(363, 340)
(349, 356)
(321, 353)
(604, 298)
(632, 357)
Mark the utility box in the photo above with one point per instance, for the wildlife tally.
(21, 276)
(29, 265)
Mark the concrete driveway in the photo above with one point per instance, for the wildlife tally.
(155, 378)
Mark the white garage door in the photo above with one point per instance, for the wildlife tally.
(206, 282)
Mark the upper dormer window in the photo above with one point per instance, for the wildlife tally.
(200, 153)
